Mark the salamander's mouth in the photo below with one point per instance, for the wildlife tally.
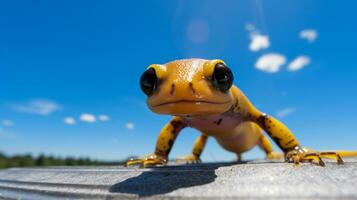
(190, 102)
(190, 107)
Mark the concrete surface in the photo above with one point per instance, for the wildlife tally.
(252, 180)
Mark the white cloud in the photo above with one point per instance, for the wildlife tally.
(258, 42)
(250, 27)
(38, 107)
(7, 123)
(270, 63)
(69, 121)
(298, 63)
(89, 118)
(103, 118)
(309, 35)
(285, 112)
(130, 125)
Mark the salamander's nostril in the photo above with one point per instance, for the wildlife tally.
(172, 89)
(191, 87)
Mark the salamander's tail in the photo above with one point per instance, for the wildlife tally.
(347, 153)
(337, 154)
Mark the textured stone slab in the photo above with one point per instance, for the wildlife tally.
(253, 180)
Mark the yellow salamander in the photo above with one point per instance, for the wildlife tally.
(200, 93)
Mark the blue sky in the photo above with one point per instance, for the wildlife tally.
(79, 62)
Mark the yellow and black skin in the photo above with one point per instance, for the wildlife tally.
(200, 93)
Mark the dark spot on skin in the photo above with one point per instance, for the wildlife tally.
(163, 152)
(171, 142)
(250, 117)
(230, 111)
(160, 152)
(290, 148)
(172, 89)
(197, 152)
(236, 104)
(176, 124)
(191, 87)
(276, 139)
(168, 150)
(261, 120)
(289, 142)
(218, 122)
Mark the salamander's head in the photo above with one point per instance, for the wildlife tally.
(190, 87)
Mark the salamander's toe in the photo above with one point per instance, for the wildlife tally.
(300, 154)
(148, 161)
(189, 159)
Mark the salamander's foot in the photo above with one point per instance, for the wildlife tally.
(274, 156)
(189, 159)
(151, 160)
(300, 154)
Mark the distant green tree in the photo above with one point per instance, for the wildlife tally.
(28, 160)
(2, 160)
(40, 161)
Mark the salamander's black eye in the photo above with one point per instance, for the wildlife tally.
(222, 77)
(148, 81)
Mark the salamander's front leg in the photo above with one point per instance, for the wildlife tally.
(266, 146)
(284, 138)
(198, 147)
(163, 146)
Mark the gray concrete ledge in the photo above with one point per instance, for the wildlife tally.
(252, 180)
